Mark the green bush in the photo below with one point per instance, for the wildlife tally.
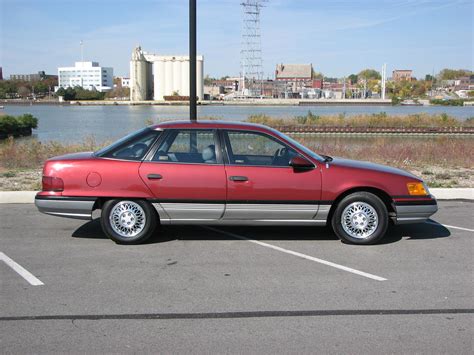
(309, 119)
(451, 102)
(27, 121)
(78, 93)
(11, 125)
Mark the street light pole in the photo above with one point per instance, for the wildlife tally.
(192, 61)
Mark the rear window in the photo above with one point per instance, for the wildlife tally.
(131, 147)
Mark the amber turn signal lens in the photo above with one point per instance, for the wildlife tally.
(416, 189)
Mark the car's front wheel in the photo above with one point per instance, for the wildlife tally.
(128, 221)
(360, 218)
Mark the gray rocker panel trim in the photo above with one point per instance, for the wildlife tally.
(242, 213)
(245, 222)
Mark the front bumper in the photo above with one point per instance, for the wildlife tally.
(414, 210)
(69, 207)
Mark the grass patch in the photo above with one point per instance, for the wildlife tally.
(28, 154)
(365, 120)
(443, 176)
(9, 174)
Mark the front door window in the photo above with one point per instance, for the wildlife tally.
(188, 146)
(257, 149)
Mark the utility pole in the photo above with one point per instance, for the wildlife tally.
(192, 61)
(344, 88)
(82, 50)
(384, 79)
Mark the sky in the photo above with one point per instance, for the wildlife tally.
(338, 37)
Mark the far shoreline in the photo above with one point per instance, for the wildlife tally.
(247, 102)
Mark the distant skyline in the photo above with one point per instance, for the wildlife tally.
(338, 37)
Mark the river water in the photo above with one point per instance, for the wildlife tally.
(71, 124)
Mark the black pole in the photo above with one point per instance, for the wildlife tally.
(192, 61)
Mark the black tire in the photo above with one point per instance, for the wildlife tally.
(370, 203)
(143, 230)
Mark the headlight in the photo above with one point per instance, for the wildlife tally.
(417, 189)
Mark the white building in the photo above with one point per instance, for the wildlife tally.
(88, 75)
(155, 76)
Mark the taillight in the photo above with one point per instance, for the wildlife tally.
(51, 183)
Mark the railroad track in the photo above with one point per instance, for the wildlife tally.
(377, 130)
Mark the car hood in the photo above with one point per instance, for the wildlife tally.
(371, 166)
(75, 156)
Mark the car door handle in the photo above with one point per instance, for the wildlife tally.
(239, 178)
(154, 177)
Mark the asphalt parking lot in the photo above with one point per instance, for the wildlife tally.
(248, 290)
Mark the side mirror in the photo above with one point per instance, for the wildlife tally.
(299, 162)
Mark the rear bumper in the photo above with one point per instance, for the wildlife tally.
(414, 211)
(69, 207)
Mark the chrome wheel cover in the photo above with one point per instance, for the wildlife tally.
(127, 219)
(359, 220)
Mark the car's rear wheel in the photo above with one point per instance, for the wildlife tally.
(360, 218)
(128, 221)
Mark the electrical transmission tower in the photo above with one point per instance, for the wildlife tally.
(251, 63)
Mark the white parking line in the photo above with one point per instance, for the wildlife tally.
(447, 225)
(300, 255)
(28, 276)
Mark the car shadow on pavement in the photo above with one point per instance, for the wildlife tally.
(420, 231)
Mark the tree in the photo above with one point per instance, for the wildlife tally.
(452, 74)
(208, 80)
(23, 91)
(60, 92)
(353, 79)
(368, 74)
(429, 77)
(40, 87)
(69, 94)
(118, 92)
(317, 75)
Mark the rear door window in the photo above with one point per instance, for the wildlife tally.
(133, 147)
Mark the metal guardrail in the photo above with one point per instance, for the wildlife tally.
(389, 130)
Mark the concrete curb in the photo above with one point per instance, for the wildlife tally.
(452, 194)
(17, 196)
(440, 194)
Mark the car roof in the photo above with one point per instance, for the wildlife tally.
(211, 124)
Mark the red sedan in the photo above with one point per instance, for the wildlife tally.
(228, 174)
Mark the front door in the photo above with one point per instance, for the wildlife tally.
(187, 176)
(260, 183)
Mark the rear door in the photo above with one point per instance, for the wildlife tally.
(187, 176)
(260, 183)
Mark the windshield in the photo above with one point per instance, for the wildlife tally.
(299, 146)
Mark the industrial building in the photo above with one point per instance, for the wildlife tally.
(41, 75)
(294, 72)
(153, 77)
(295, 79)
(88, 75)
(402, 75)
